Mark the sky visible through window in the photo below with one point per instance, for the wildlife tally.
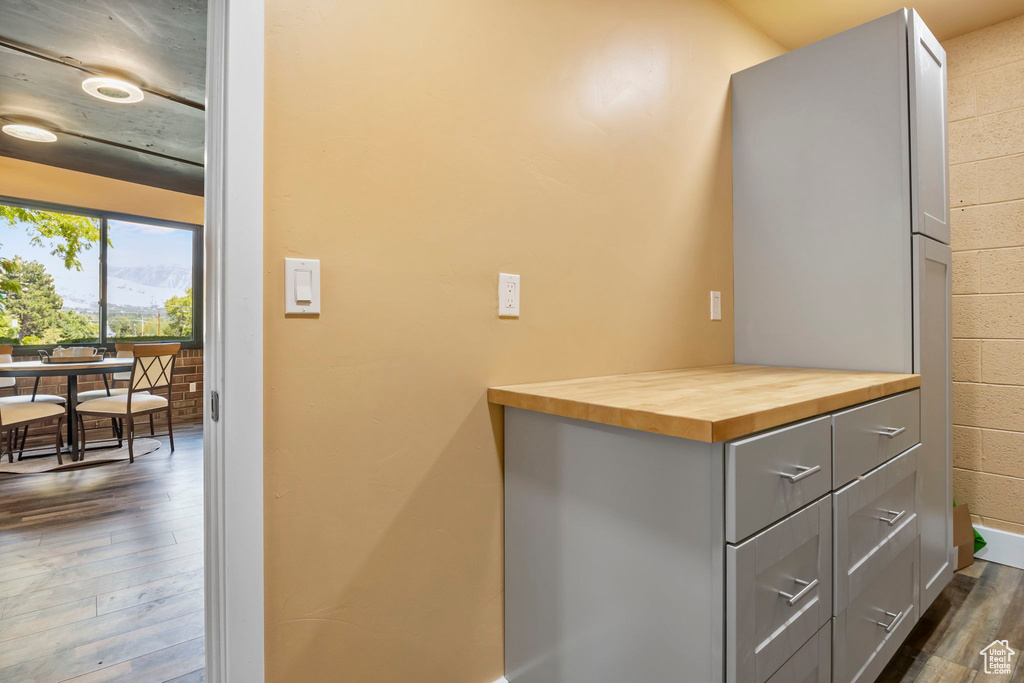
(149, 282)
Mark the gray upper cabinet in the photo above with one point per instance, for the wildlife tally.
(929, 163)
(821, 199)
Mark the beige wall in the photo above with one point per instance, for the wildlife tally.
(25, 180)
(418, 149)
(986, 150)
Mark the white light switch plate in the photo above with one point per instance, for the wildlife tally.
(716, 305)
(301, 285)
(508, 295)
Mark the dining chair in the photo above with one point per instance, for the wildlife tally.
(11, 383)
(14, 416)
(121, 350)
(152, 370)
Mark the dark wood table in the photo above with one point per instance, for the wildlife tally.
(72, 371)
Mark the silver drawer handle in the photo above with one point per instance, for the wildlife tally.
(898, 516)
(807, 588)
(802, 474)
(892, 624)
(892, 432)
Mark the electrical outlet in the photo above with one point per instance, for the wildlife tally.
(716, 305)
(508, 295)
(191, 386)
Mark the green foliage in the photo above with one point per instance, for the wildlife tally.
(179, 314)
(36, 303)
(66, 236)
(8, 329)
(70, 326)
(122, 326)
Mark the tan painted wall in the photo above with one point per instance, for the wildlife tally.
(419, 148)
(25, 180)
(986, 150)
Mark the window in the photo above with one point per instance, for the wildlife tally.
(58, 265)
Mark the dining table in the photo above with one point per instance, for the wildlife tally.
(72, 371)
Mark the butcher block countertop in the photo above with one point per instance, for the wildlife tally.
(709, 404)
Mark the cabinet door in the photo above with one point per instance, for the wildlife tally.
(932, 342)
(929, 166)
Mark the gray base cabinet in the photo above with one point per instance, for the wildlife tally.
(642, 557)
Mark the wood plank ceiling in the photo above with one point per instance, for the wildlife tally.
(48, 47)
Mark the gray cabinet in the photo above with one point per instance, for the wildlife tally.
(778, 590)
(933, 265)
(928, 137)
(772, 474)
(617, 566)
(812, 663)
(822, 204)
(841, 232)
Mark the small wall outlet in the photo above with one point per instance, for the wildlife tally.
(508, 295)
(191, 386)
(716, 305)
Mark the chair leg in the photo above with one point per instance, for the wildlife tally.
(152, 427)
(24, 435)
(60, 440)
(81, 438)
(131, 439)
(120, 433)
(113, 427)
(10, 451)
(170, 428)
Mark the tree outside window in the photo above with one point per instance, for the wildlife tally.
(50, 285)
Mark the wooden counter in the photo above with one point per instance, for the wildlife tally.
(708, 404)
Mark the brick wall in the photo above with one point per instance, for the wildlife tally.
(187, 405)
(986, 177)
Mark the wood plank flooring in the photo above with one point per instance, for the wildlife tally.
(982, 603)
(101, 570)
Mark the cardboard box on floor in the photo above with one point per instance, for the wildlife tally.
(963, 537)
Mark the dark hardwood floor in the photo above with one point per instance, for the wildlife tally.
(983, 603)
(101, 570)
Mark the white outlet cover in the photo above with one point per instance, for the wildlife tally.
(508, 295)
(716, 305)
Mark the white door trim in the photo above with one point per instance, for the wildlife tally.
(233, 361)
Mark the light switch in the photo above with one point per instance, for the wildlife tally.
(716, 305)
(301, 286)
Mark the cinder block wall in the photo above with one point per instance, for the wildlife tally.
(986, 174)
(187, 405)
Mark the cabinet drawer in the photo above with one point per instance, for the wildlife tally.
(866, 436)
(778, 592)
(867, 633)
(770, 475)
(876, 518)
(812, 663)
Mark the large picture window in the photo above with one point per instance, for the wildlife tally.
(70, 276)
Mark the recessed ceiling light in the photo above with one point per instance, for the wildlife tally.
(30, 133)
(112, 90)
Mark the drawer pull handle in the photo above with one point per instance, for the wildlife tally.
(892, 432)
(897, 516)
(892, 624)
(802, 474)
(807, 588)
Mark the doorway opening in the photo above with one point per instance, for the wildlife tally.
(102, 484)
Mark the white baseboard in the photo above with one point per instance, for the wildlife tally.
(1003, 547)
(501, 680)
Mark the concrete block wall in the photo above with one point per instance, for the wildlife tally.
(986, 156)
